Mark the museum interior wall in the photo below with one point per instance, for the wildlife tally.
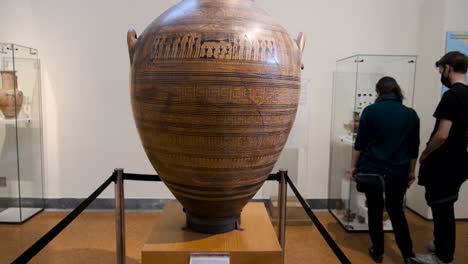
(88, 125)
(436, 18)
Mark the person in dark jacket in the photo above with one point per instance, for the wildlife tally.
(387, 144)
(444, 162)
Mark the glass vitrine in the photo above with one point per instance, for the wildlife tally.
(353, 90)
(21, 172)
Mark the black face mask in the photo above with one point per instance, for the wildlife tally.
(445, 81)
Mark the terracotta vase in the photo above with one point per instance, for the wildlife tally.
(11, 99)
(214, 88)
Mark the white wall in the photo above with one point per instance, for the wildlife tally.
(88, 125)
(10, 28)
(336, 29)
(437, 17)
(90, 128)
(428, 88)
(457, 20)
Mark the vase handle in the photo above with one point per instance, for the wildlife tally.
(300, 41)
(131, 41)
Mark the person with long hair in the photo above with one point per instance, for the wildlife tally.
(387, 145)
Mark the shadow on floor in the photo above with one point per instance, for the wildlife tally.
(78, 256)
(360, 242)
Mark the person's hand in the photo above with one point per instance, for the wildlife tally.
(423, 158)
(411, 178)
(350, 173)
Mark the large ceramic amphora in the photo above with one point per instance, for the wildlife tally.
(214, 88)
(11, 99)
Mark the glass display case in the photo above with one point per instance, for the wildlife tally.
(354, 89)
(21, 172)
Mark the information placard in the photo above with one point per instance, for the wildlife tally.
(200, 258)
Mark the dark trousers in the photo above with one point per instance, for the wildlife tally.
(394, 205)
(444, 230)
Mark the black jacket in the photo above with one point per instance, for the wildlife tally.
(388, 138)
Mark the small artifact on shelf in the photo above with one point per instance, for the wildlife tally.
(353, 125)
(11, 99)
(361, 219)
(215, 89)
(339, 204)
(349, 216)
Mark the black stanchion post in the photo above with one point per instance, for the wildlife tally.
(282, 200)
(120, 216)
(331, 243)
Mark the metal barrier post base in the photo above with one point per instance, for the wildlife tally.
(282, 200)
(119, 216)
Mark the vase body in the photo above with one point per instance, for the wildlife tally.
(11, 99)
(214, 88)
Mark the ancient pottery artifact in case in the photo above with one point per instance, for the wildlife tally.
(353, 125)
(11, 99)
(214, 88)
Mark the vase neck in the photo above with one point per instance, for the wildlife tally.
(8, 79)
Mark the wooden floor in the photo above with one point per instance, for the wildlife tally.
(91, 239)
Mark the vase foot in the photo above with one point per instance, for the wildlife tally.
(212, 226)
